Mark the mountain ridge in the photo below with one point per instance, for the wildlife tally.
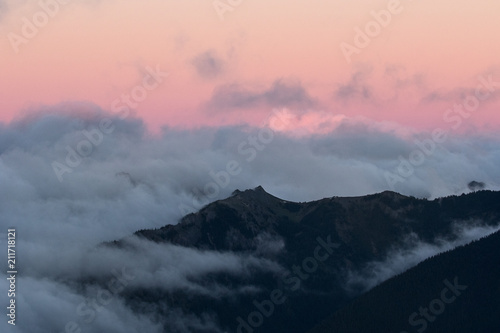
(366, 228)
(475, 265)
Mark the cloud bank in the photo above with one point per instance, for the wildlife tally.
(413, 252)
(128, 179)
(289, 93)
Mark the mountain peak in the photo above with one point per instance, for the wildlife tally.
(236, 192)
(256, 195)
(259, 190)
(391, 194)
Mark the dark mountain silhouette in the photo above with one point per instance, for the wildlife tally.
(349, 232)
(396, 304)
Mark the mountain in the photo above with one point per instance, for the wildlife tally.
(313, 245)
(457, 291)
(366, 226)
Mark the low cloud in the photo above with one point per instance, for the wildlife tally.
(208, 64)
(456, 94)
(450, 96)
(282, 93)
(51, 295)
(413, 252)
(47, 306)
(356, 88)
(132, 180)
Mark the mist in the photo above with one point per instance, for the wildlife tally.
(72, 180)
(412, 252)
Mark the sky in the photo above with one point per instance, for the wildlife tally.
(232, 64)
(117, 116)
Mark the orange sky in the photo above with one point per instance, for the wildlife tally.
(222, 71)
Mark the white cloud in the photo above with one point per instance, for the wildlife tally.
(415, 251)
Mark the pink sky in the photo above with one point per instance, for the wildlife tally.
(262, 55)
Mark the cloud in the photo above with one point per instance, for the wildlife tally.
(410, 254)
(132, 180)
(460, 93)
(403, 84)
(208, 64)
(6, 6)
(456, 94)
(346, 142)
(51, 299)
(47, 306)
(381, 88)
(356, 88)
(154, 265)
(401, 79)
(476, 186)
(282, 93)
